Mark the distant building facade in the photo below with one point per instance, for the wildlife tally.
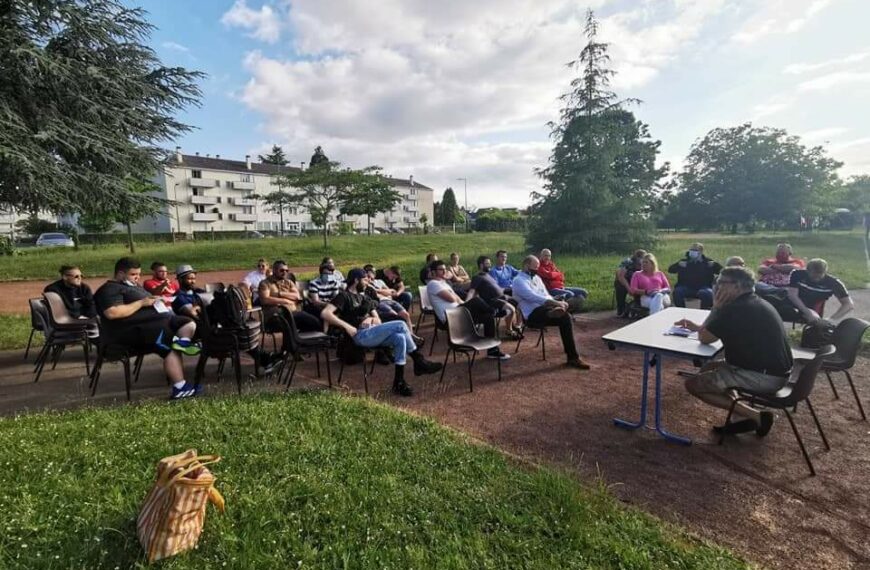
(212, 193)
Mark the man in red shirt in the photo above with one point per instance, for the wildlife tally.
(774, 272)
(159, 284)
(554, 280)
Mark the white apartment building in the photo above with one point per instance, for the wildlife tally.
(213, 193)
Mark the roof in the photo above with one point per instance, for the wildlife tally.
(210, 163)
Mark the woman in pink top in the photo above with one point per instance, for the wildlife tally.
(651, 284)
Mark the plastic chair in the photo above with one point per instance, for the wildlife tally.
(36, 322)
(463, 337)
(787, 397)
(847, 340)
(425, 306)
(61, 330)
(295, 344)
(223, 343)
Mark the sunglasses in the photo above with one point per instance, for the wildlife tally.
(79, 276)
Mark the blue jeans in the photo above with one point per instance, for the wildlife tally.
(405, 299)
(681, 293)
(393, 335)
(569, 292)
(389, 309)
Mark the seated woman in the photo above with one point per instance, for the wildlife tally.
(651, 285)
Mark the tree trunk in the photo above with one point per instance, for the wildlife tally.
(281, 231)
(326, 236)
(130, 243)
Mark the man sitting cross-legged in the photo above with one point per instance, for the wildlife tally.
(392, 278)
(354, 313)
(442, 297)
(388, 308)
(485, 287)
(133, 318)
(540, 309)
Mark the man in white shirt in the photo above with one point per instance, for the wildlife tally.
(540, 309)
(252, 280)
(442, 297)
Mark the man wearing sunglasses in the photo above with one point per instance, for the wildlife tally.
(76, 295)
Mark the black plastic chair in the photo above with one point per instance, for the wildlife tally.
(463, 337)
(787, 397)
(295, 345)
(541, 339)
(36, 323)
(847, 340)
(223, 343)
(61, 330)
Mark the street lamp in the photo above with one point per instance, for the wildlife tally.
(465, 183)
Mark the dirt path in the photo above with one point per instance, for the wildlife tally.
(14, 294)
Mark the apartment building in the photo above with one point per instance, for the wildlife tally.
(213, 193)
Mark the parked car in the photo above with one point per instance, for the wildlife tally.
(253, 234)
(54, 240)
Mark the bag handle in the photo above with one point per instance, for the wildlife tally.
(192, 464)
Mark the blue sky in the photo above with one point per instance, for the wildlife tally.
(464, 89)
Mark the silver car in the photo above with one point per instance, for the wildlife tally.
(54, 240)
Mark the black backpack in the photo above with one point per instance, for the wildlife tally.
(228, 308)
(818, 335)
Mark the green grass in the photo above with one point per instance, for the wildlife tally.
(14, 330)
(312, 480)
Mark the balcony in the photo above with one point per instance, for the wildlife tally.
(239, 185)
(244, 201)
(204, 200)
(204, 217)
(245, 217)
(202, 182)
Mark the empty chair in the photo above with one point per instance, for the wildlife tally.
(463, 337)
(790, 396)
(36, 322)
(847, 340)
(425, 307)
(61, 330)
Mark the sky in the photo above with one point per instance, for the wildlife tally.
(460, 89)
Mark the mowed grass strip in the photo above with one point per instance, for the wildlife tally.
(312, 480)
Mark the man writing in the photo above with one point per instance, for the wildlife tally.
(757, 353)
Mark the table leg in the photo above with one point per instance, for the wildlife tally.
(643, 400)
(664, 433)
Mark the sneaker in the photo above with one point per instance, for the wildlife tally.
(743, 426)
(496, 353)
(423, 366)
(578, 363)
(402, 389)
(766, 423)
(186, 391)
(185, 346)
(268, 361)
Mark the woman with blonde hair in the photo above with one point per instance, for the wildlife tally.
(651, 284)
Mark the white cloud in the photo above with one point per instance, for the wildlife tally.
(176, 47)
(802, 68)
(822, 135)
(836, 79)
(264, 24)
(776, 104)
(776, 17)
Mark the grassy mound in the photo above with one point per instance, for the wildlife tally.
(312, 480)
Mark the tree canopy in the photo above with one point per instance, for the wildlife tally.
(84, 105)
(370, 195)
(277, 156)
(447, 211)
(602, 172)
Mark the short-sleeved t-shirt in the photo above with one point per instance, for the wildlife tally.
(395, 283)
(753, 336)
(152, 284)
(353, 307)
(815, 293)
(486, 287)
(641, 280)
(438, 304)
(327, 289)
(113, 293)
(184, 297)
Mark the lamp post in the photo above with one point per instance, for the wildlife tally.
(465, 187)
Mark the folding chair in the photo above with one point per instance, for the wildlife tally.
(847, 340)
(464, 338)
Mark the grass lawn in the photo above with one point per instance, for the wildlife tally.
(312, 480)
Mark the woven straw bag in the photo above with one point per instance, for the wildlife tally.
(173, 513)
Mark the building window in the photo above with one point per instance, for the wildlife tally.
(199, 209)
(197, 192)
(245, 178)
(247, 209)
(413, 191)
(196, 174)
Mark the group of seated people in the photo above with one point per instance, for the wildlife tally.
(793, 286)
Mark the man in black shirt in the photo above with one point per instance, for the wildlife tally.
(809, 289)
(133, 318)
(356, 314)
(757, 353)
(392, 277)
(695, 275)
(77, 296)
(483, 285)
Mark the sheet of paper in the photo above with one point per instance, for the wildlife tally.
(681, 331)
(160, 307)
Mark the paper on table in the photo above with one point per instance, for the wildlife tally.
(160, 307)
(680, 331)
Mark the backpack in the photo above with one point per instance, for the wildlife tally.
(817, 336)
(229, 308)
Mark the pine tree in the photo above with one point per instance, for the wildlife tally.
(447, 212)
(277, 156)
(601, 174)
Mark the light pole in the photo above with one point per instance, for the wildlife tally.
(465, 185)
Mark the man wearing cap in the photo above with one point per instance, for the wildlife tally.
(357, 315)
(187, 301)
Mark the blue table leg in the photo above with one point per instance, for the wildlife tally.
(643, 398)
(664, 433)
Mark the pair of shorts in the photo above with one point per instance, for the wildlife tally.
(154, 335)
(723, 376)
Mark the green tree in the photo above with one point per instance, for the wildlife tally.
(499, 220)
(277, 201)
(749, 175)
(424, 219)
(447, 212)
(277, 156)
(369, 195)
(97, 223)
(318, 158)
(33, 225)
(602, 173)
(84, 104)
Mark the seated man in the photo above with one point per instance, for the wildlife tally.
(774, 272)
(324, 288)
(336, 273)
(735, 261)
(485, 287)
(809, 289)
(77, 296)
(695, 275)
(502, 272)
(388, 308)
(757, 353)
(457, 275)
(252, 280)
(425, 273)
(392, 278)
(133, 318)
(554, 280)
(187, 301)
(159, 284)
(354, 313)
(622, 283)
(541, 310)
(279, 293)
(442, 297)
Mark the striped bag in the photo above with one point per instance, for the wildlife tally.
(173, 513)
